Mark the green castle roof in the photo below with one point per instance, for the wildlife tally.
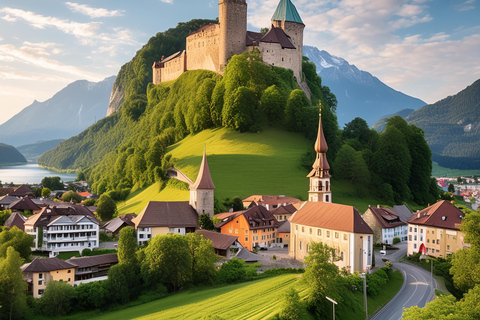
(286, 11)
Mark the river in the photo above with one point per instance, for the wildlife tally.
(31, 173)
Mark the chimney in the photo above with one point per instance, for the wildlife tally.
(378, 206)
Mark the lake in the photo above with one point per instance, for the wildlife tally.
(30, 173)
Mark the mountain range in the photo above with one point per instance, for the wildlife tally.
(359, 94)
(67, 113)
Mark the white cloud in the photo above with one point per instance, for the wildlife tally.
(466, 5)
(36, 54)
(167, 1)
(93, 12)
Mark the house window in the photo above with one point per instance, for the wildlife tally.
(300, 245)
(40, 291)
(448, 247)
(246, 232)
(336, 235)
(246, 239)
(307, 248)
(328, 234)
(410, 238)
(410, 229)
(40, 282)
(69, 271)
(341, 256)
(40, 276)
(310, 230)
(319, 232)
(345, 237)
(438, 241)
(303, 229)
(428, 240)
(236, 231)
(415, 238)
(414, 246)
(421, 230)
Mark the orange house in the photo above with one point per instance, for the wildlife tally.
(255, 227)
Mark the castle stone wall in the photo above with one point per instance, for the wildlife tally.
(157, 75)
(273, 54)
(295, 31)
(174, 68)
(232, 16)
(202, 49)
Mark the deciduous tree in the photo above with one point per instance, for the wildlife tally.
(106, 207)
(12, 286)
(57, 298)
(203, 258)
(127, 246)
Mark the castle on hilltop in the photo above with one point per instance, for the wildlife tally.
(211, 46)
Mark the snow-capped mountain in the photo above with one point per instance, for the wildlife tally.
(359, 94)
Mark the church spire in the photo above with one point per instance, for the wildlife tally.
(320, 176)
(201, 192)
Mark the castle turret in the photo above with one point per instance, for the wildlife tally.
(201, 192)
(232, 17)
(286, 17)
(320, 176)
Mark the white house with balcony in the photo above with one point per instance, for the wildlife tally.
(58, 230)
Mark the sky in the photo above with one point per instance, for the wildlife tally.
(428, 49)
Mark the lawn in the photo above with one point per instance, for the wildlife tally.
(242, 164)
(438, 171)
(258, 299)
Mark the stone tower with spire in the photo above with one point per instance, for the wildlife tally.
(201, 192)
(320, 176)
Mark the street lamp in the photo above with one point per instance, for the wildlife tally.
(333, 303)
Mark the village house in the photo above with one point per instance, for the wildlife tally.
(16, 219)
(180, 217)
(269, 202)
(73, 271)
(386, 224)
(435, 230)
(284, 234)
(25, 205)
(113, 227)
(43, 270)
(22, 191)
(223, 244)
(255, 227)
(57, 230)
(319, 220)
(283, 212)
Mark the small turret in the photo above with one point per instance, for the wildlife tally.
(201, 192)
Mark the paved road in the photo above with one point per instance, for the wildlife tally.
(417, 289)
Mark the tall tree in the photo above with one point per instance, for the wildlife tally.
(203, 258)
(53, 183)
(127, 246)
(294, 110)
(16, 238)
(57, 298)
(205, 222)
(272, 104)
(106, 207)
(12, 286)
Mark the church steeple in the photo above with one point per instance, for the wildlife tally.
(320, 176)
(201, 192)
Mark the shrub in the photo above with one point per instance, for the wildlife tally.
(291, 308)
(396, 240)
(72, 196)
(89, 202)
(274, 257)
(232, 271)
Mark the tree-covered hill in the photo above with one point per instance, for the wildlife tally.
(10, 155)
(452, 128)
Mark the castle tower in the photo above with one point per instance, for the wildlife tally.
(286, 17)
(320, 176)
(232, 17)
(201, 192)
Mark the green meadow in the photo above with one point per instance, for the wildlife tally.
(242, 164)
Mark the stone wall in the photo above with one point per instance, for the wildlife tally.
(373, 223)
(202, 200)
(174, 68)
(202, 49)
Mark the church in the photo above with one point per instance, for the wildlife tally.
(210, 47)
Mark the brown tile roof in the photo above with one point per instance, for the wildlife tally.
(91, 261)
(442, 214)
(270, 200)
(173, 56)
(331, 216)
(24, 204)
(124, 219)
(288, 209)
(253, 38)
(403, 212)
(204, 179)
(277, 35)
(167, 214)
(258, 217)
(46, 265)
(7, 200)
(22, 191)
(5, 191)
(220, 241)
(16, 219)
(50, 214)
(386, 217)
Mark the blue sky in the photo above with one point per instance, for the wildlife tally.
(427, 49)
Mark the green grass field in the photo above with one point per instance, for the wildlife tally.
(243, 164)
(438, 171)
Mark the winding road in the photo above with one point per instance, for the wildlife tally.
(417, 289)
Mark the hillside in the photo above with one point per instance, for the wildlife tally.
(452, 128)
(243, 164)
(359, 93)
(379, 125)
(66, 114)
(33, 151)
(10, 155)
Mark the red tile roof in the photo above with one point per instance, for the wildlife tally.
(331, 216)
(258, 217)
(220, 241)
(172, 214)
(84, 194)
(442, 214)
(386, 217)
(271, 200)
